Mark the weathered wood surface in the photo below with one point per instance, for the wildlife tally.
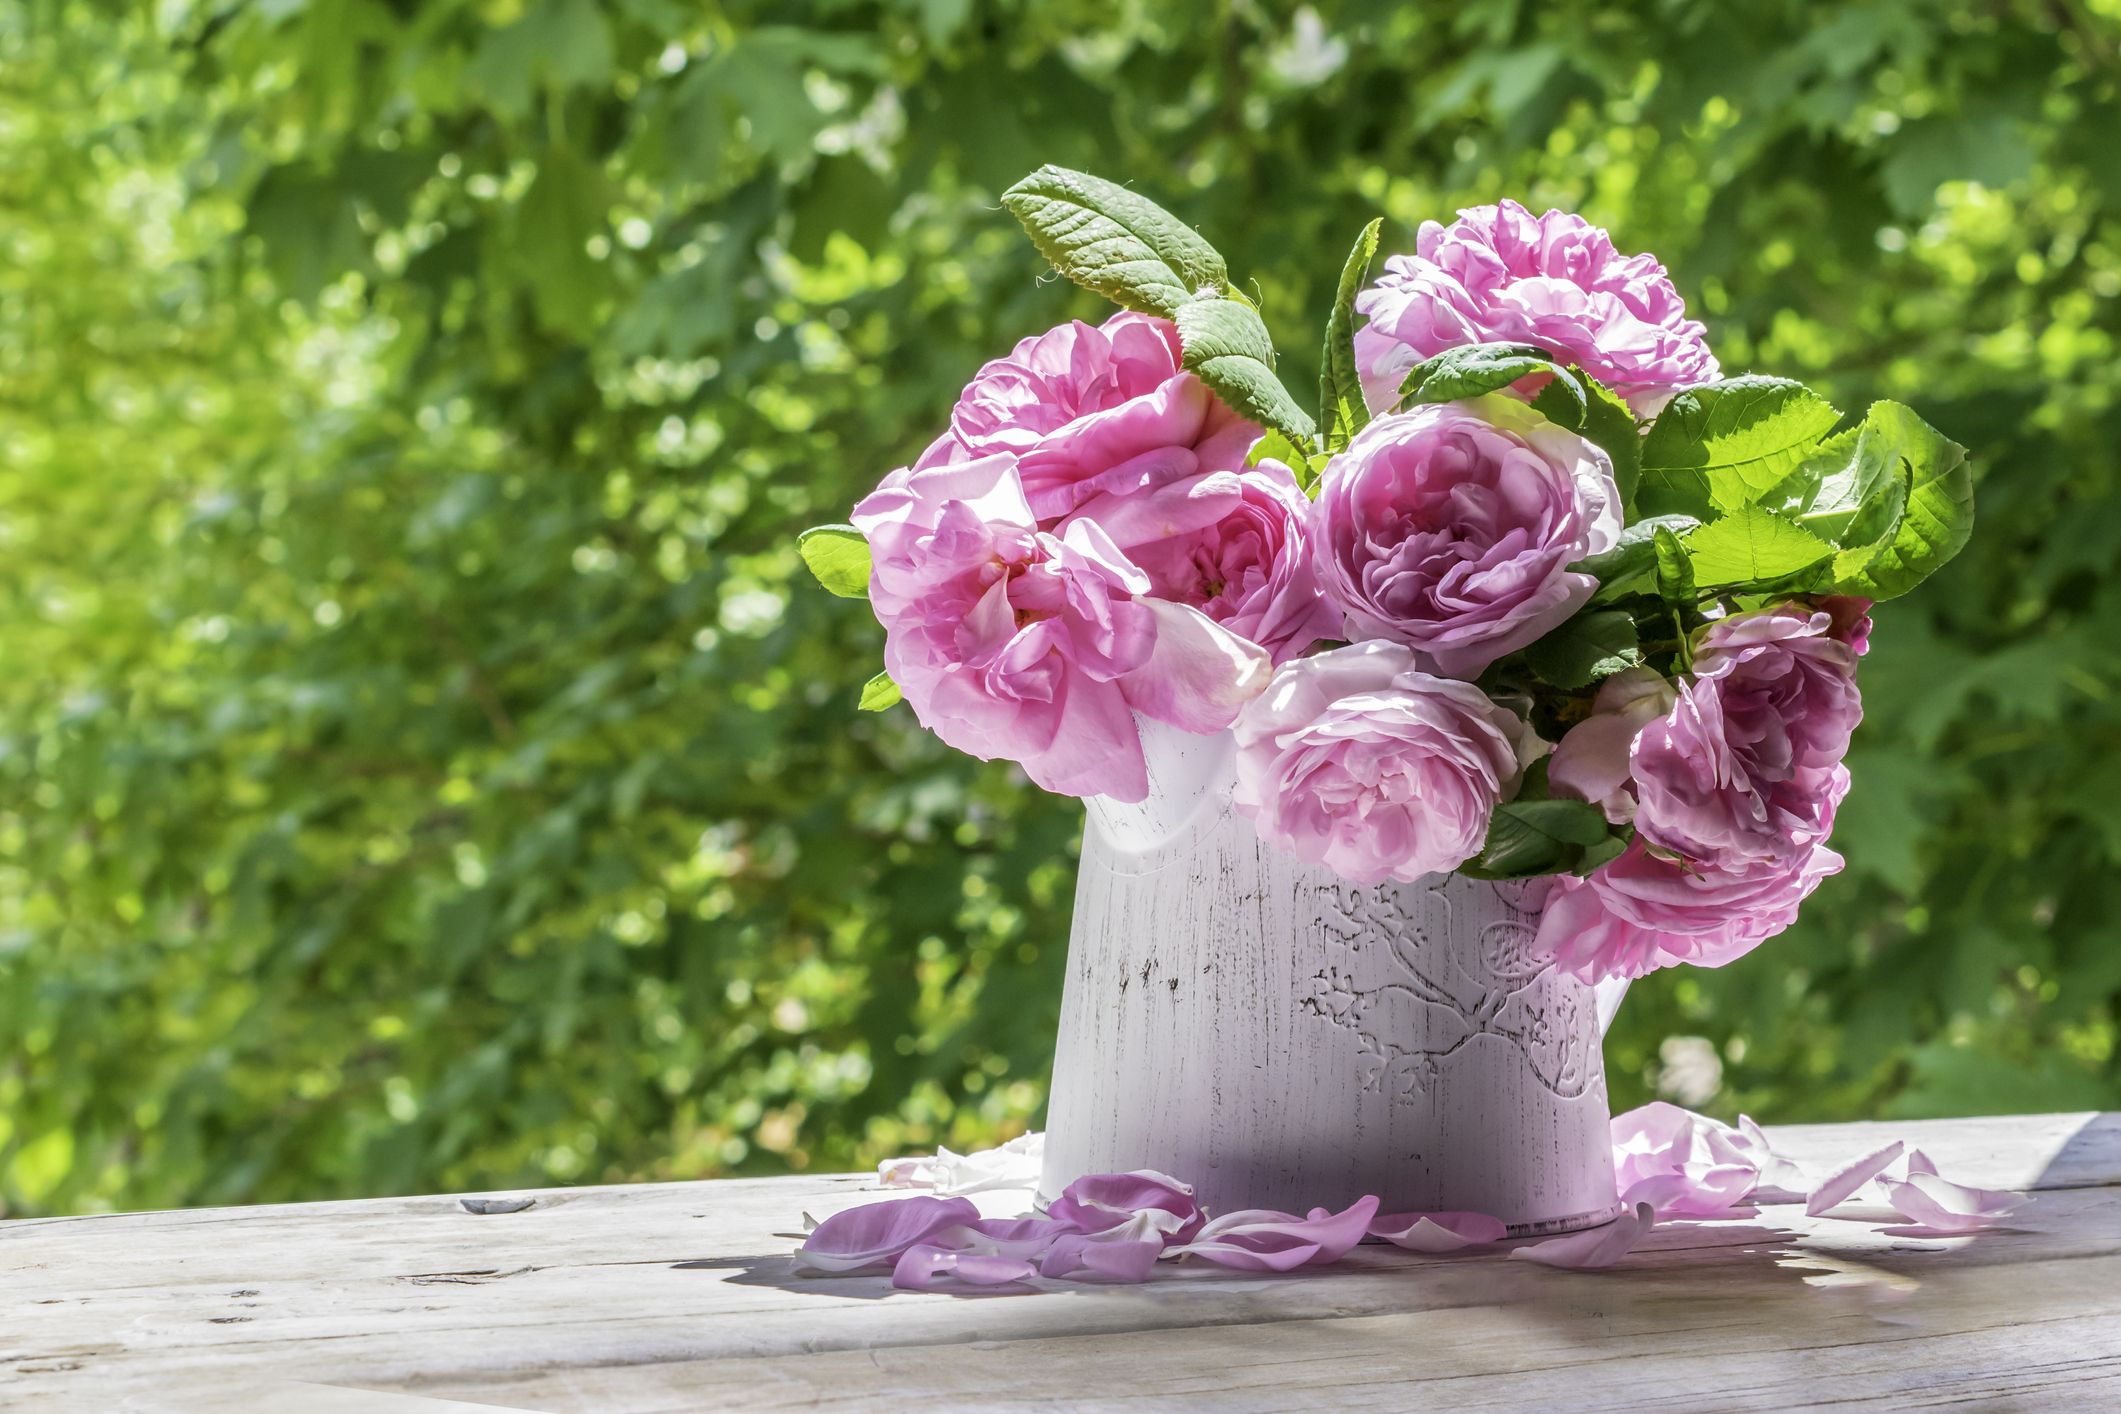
(681, 1296)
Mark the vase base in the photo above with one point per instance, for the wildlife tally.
(1542, 1227)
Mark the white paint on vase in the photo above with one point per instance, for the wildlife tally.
(1282, 1038)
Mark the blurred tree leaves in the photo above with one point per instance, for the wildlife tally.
(424, 762)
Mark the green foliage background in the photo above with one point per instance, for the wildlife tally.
(424, 764)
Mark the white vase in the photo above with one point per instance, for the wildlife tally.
(1282, 1038)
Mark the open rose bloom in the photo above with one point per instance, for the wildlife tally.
(1443, 634)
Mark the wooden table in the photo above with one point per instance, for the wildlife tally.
(681, 1296)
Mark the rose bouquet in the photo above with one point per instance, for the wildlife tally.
(1539, 592)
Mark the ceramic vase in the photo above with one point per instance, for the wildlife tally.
(1282, 1038)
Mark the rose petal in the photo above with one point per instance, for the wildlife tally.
(1083, 1257)
(1694, 1192)
(1438, 1232)
(1837, 1187)
(1781, 1180)
(1596, 1248)
(1928, 1201)
(1200, 673)
(1685, 1164)
(1023, 1238)
(1261, 1240)
(1145, 1201)
(910, 1171)
(931, 1268)
(1015, 1164)
(875, 1235)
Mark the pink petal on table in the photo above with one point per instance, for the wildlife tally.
(1437, 1232)
(1704, 1191)
(927, 1268)
(1012, 1165)
(1836, 1188)
(1084, 1257)
(876, 1234)
(1919, 1162)
(1781, 1180)
(1152, 1201)
(1597, 1248)
(1687, 1164)
(1261, 1240)
(1927, 1200)
(1022, 1238)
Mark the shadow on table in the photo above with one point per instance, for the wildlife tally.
(2089, 1158)
(1479, 1276)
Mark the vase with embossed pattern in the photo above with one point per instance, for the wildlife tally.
(1282, 1038)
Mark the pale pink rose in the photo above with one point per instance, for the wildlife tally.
(1091, 412)
(1643, 911)
(1591, 763)
(1450, 528)
(1236, 546)
(1358, 761)
(1734, 775)
(1499, 274)
(1015, 643)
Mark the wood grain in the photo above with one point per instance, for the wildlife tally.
(681, 1296)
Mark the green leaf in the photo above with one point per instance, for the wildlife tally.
(1597, 856)
(1603, 418)
(1225, 342)
(1341, 410)
(1527, 837)
(1722, 445)
(1115, 242)
(839, 557)
(879, 693)
(1894, 496)
(1752, 548)
(1630, 567)
(1588, 648)
(1277, 447)
(1674, 572)
(1473, 369)
(567, 204)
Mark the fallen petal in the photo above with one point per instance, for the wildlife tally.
(1022, 1238)
(1597, 1248)
(875, 1235)
(1781, 1179)
(1079, 1257)
(1015, 1164)
(912, 1171)
(1145, 1199)
(1836, 1188)
(1261, 1240)
(1687, 1164)
(1694, 1192)
(926, 1268)
(1929, 1201)
(1438, 1232)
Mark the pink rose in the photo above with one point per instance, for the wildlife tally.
(1236, 546)
(1090, 412)
(1642, 912)
(1499, 274)
(1450, 528)
(1013, 642)
(1734, 774)
(1591, 763)
(1359, 761)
